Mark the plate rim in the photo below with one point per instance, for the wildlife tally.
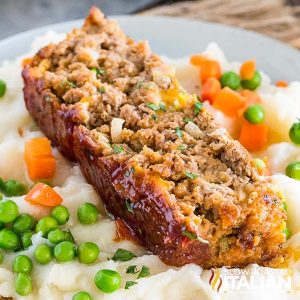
(38, 30)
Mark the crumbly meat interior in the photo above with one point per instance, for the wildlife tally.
(101, 74)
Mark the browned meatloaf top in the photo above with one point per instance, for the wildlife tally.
(100, 74)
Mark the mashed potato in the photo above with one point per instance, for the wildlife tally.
(61, 281)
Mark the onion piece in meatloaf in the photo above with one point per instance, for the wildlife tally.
(160, 162)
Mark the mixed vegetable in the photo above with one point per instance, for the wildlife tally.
(17, 229)
(234, 94)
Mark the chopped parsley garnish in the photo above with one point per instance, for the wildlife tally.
(118, 149)
(178, 132)
(198, 106)
(101, 89)
(98, 71)
(153, 106)
(139, 84)
(132, 270)
(129, 205)
(144, 272)
(128, 284)
(162, 107)
(156, 107)
(186, 120)
(182, 147)
(190, 235)
(193, 236)
(69, 83)
(154, 117)
(191, 175)
(123, 255)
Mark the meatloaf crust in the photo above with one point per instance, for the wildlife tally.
(189, 192)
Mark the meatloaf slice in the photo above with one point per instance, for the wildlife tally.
(160, 162)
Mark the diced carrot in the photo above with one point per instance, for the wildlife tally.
(254, 136)
(281, 83)
(39, 159)
(229, 102)
(250, 98)
(210, 68)
(210, 89)
(43, 194)
(197, 60)
(247, 69)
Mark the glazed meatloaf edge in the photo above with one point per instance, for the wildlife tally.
(159, 161)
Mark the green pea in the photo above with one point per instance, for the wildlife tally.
(2, 88)
(87, 213)
(82, 296)
(22, 263)
(231, 79)
(253, 83)
(45, 225)
(64, 251)
(26, 239)
(293, 170)
(8, 211)
(68, 236)
(56, 236)
(23, 223)
(60, 214)
(9, 240)
(43, 254)
(255, 114)
(294, 133)
(88, 252)
(14, 188)
(23, 284)
(107, 281)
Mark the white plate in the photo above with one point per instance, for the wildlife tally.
(176, 37)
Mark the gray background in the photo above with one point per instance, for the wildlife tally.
(21, 15)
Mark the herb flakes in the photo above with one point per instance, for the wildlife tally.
(178, 132)
(145, 271)
(132, 270)
(101, 89)
(197, 108)
(129, 206)
(153, 106)
(123, 255)
(156, 107)
(182, 147)
(191, 175)
(193, 236)
(186, 120)
(98, 71)
(129, 284)
(139, 84)
(118, 149)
